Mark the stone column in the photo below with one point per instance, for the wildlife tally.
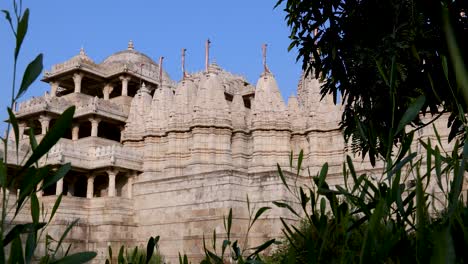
(77, 77)
(75, 131)
(21, 128)
(112, 174)
(94, 126)
(53, 88)
(130, 186)
(59, 187)
(45, 121)
(124, 80)
(71, 188)
(107, 90)
(90, 187)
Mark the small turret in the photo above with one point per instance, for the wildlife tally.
(139, 108)
(158, 119)
(211, 106)
(322, 113)
(182, 110)
(296, 115)
(268, 108)
(238, 112)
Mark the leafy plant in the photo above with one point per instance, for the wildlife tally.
(27, 176)
(137, 256)
(378, 58)
(231, 250)
(369, 221)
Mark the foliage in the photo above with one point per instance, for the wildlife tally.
(380, 57)
(22, 239)
(231, 250)
(386, 220)
(137, 256)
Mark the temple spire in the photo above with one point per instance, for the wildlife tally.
(264, 54)
(130, 45)
(207, 54)
(183, 63)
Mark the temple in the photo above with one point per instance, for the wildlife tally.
(152, 156)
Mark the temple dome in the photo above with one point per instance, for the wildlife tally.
(128, 56)
(82, 57)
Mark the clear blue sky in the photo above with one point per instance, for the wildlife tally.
(237, 30)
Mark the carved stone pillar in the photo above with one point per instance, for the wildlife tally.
(90, 187)
(130, 186)
(59, 187)
(112, 174)
(124, 80)
(94, 126)
(45, 121)
(71, 188)
(21, 127)
(77, 77)
(107, 90)
(53, 88)
(75, 131)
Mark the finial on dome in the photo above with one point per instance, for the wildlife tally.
(82, 51)
(207, 54)
(161, 70)
(264, 51)
(143, 88)
(130, 45)
(183, 64)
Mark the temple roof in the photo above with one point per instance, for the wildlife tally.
(128, 56)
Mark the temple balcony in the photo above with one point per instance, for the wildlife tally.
(89, 153)
(85, 105)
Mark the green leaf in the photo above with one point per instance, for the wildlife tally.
(401, 163)
(77, 258)
(299, 161)
(59, 174)
(229, 224)
(3, 175)
(56, 205)
(285, 205)
(443, 249)
(262, 247)
(8, 18)
(31, 73)
(34, 208)
(280, 172)
(120, 257)
(14, 123)
(323, 174)
(57, 131)
(30, 247)
(19, 229)
(65, 233)
(411, 113)
(21, 32)
(304, 198)
(109, 249)
(16, 252)
(150, 249)
(259, 213)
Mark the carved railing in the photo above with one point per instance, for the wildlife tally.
(73, 64)
(58, 105)
(88, 156)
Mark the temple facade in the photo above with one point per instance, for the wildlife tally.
(152, 156)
